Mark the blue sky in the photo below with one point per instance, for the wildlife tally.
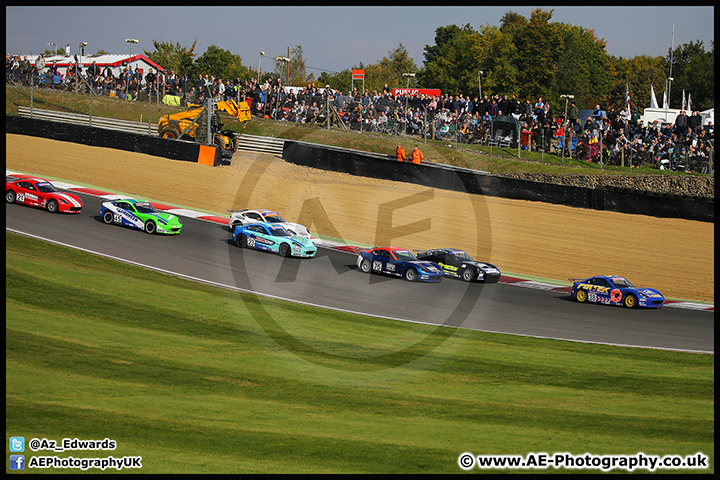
(333, 38)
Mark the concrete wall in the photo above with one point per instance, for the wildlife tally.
(623, 200)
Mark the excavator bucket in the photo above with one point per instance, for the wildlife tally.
(240, 111)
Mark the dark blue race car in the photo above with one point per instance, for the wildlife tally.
(615, 290)
(399, 263)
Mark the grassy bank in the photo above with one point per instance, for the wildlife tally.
(494, 160)
(193, 379)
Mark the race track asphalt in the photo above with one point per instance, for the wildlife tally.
(204, 251)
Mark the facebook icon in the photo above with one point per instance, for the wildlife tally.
(17, 462)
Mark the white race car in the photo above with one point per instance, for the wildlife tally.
(247, 216)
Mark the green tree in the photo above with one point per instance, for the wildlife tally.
(494, 52)
(584, 68)
(220, 63)
(172, 56)
(540, 46)
(439, 70)
(298, 69)
(637, 75)
(338, 81)
(693, 71)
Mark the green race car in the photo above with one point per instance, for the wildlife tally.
(140, 215)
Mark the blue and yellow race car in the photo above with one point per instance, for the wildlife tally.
(615, 290)
(273, 237)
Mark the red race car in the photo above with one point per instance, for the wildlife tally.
(39, 192)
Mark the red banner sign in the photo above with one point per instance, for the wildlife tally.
(416, 91)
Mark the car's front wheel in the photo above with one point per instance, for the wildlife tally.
(108, 217)
(150, 227)
(52, 206)
(10, 196)
(411, 274)
(366, 265)
(241, 240)
(284, 250)
(468, 275)
(630, 301)
(581, 296)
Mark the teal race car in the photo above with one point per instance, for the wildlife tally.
(273, 237)
(141, 215)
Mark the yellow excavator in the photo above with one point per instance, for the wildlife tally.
(191, 124)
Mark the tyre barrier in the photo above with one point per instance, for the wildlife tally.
(386, 167)
(102, 137)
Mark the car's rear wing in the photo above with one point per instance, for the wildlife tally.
(241, 210)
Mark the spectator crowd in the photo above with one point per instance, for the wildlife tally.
(606, 136)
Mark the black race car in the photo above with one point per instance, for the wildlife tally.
(456, 263)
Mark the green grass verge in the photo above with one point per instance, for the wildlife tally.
(197, 379)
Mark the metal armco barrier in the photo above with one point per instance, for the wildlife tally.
(80, 119)
(464, 180)
(102, 137)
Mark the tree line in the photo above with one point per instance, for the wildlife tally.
(529, 57)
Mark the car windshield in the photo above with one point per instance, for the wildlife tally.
(46, 187)
(621, 282)
(145, 208)
(274, 219)
(462, 256)
(279, 231)
(404, 255)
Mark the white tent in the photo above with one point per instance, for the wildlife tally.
(663, 115)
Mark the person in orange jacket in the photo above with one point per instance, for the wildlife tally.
(400, 153)
(417, 155)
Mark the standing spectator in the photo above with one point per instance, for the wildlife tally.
(597, 115)
(184, 84)
(612, 115)
(526, 137)
(150, 81)
(93, 70)
(528, 108)
(172, 82)
(573, 114)
(681, 122)
(417, 155)
(694, 121)
(400, 153)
